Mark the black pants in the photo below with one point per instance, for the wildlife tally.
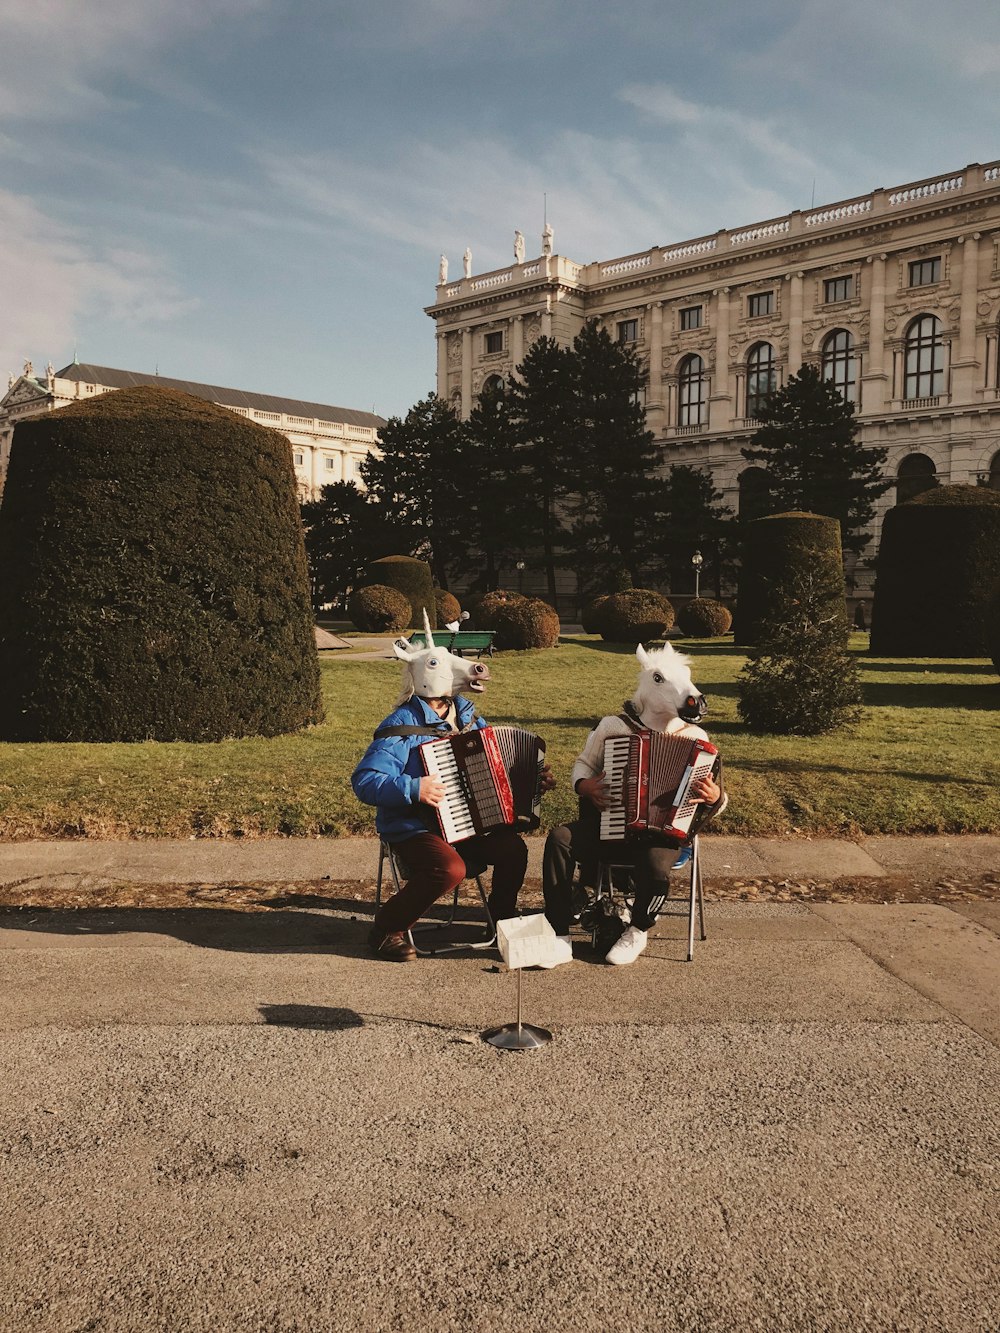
(580, 844)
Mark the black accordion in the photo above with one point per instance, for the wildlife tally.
(650, 775)
(492, 778)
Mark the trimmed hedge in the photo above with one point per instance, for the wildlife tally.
(939, 556)
(590, 615)
(491, 603)
(448, 607)
(993, 626)
(635, 616)
(413, 579)
(704, 618)
(378, 609)
(154, 577)
(775, 548)
(526, 623)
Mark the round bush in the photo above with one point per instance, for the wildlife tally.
(635, 616)
(154, 576)
(590, 615)
(491, 603)
(378, 609)
(775, 549)
(448, 606)
(526, 623)
(939, 551)
(413, 579)
(703, 618)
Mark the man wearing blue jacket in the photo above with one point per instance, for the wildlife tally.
(391, 778)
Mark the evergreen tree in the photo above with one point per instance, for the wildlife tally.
(807, 443)
(496, 517)
(686, 515)
(420, 480)
(344, 530)
(611, 462)
(541, 411)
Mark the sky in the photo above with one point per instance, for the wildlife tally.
(255, 193)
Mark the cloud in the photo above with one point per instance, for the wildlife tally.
(53, 278)
(55, 53)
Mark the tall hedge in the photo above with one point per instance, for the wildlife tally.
(774, 547)
(413, 578)
(938, 561)
(154, 577)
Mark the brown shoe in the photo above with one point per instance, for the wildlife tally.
(394, 947)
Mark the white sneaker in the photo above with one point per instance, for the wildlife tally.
(562, 952)
(627, 947)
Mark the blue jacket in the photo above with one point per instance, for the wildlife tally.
(389, 773)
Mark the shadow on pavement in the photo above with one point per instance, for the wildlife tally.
(315, 1016)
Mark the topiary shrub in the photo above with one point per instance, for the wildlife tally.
(526, 623)
(448, 607)
(154, 576)
(378, 609)
(939, 550)
(491, 603)
(993, 626)
(413, 579)
(800, 680)
(590, 615)
(703, 618)
(635, 616)
(776, 548)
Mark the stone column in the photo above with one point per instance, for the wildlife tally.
(517, 340)
(466, 372)
(873, 380)
(442, 364)
(991, 361)
(547, 318)
(722, 408)
(794, 323)
(654, 396)
(965, 365)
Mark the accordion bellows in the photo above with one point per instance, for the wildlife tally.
(492, 778)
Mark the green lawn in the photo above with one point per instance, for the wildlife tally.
(925, 758)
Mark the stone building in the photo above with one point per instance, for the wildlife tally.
(895, 295)
(328, 443)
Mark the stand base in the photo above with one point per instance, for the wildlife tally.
(512, 1037)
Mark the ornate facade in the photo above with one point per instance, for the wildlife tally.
(328, 443)
(895, 295)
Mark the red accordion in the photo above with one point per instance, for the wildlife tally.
(650, 775)
(492, 778)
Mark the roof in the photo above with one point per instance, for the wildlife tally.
(215, 393)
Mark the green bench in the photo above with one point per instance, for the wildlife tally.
(459, 642)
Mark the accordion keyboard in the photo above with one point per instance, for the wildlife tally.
(613, 819)
(453, 812)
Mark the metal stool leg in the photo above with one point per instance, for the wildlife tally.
(695, 896)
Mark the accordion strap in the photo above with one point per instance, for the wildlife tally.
(383, 732)
(630, 717)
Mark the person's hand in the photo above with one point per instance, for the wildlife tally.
(706, 789)
(595, 790)
(548, 781)
(431, 791)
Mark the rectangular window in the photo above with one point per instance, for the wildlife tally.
(494, 343)
(298, 459)
(761, 304)
(691, 317)
(925, 271)
(838, 289)
(628, 331)
(330, 464)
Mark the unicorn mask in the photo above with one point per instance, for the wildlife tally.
(665, 690)
(434, 673)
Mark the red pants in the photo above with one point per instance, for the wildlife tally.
(432, 868)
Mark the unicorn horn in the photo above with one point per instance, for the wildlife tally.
(428, 632)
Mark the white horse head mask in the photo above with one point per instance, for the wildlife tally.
(665, 689)
(434, 673)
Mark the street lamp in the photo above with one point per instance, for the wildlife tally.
(697, 560)
(520, 575)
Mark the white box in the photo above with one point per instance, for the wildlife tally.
(526, 941)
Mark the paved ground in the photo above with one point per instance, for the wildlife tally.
(222, 1120)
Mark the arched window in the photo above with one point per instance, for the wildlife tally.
(924, 359)
(456, 403)
(692, 404)
(494, 384)
(761, 377)
(755, 493)
(840, 365)
(993, 481)
(916, 473)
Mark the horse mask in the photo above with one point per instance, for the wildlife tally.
(665, 689)
(434, 673)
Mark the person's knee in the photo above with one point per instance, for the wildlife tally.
(560, 839)
(511, 854)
